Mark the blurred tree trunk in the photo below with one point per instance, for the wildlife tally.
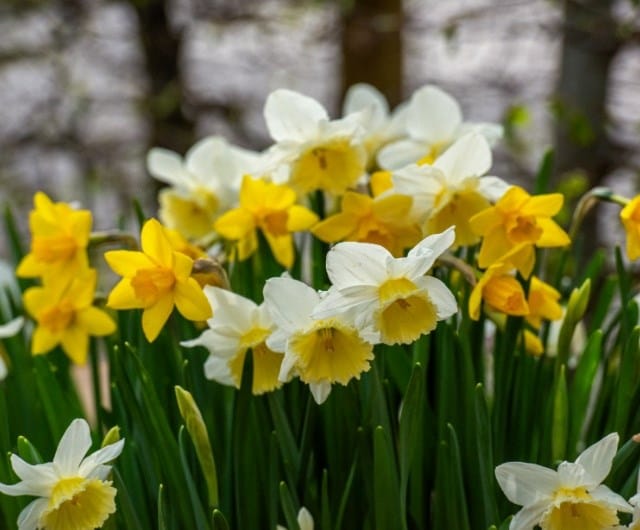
(170, 128)
(589, 45)
(372, 46)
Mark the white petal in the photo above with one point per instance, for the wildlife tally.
(287, 367)
(414, 180)
(202, 160)
(470, 156)
(320, 391)
(597, 459)
(221, 342)
(493, 132)
(30, 515)
(357, 264)
(292, 116)
(529, 516)
(167, 166)
(434, 116)
(524, 483)
(290, 302)
(493, 188)
(411, 267)
(217, 369)
(277, 341)
(398, 123)
(44, 473)
(398, 154)
(435, 245)
(604, 494)
(100, 472)
(363, 96)
(102, 456)
(338, 302)
(74, 444)
(572, 475)
(11, 328)
(230, 309)
(20, 488)
(440, 295)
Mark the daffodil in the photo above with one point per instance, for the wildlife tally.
(305, 521)
(392, 296)
(630, 217)
(501, 290)
(453, 189)
(202, 186)
(65, 316)
(238, 326)
(155, 280)
(321, 351)
(543, 303)
(73, 491)
(270, 208)
(571, 498)
(519, 219)
(384, 220)
(320, 154)
(59, 238)
(372, 110)
(433, 122)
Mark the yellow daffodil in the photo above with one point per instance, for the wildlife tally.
(73, 491)
(391, 296)
(433, 123)
(543, 303)
(453, 189)
(65, 315)
(238, 326)
(571, 498)
(630, 217)
(155, 280)
(519, 219)
(59, 238)
(270, 208)
(202, 186)
(320, 154)
(499, 288)
(321, 351)
(383, 220)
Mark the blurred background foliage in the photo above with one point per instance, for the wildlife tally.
(88, 86)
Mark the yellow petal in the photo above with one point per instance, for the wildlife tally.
(81, 221)
(122, 296)
(335, 228)
(393, 208)
(483, 222)
(475, 301)
(494, 245)
(75, 343)
(266, 367)
(505, 294)
(127, 262)
(183, 265)
(154, 317)
(155, 244)
(380, 182)
(191, 301)
(300, 218)
(543, 205)
(235, 224)
(43, 341)
(356, 203)
(552, 234)
(29, 267)
(35, 299)
(95, 321)
(282, 249)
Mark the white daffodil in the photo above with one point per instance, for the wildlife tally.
(202, 186)
(571, 498)
(8, 330)
(320, 351)
(305, 521)
(372, 110)
(317, 152)
(453, 189)
(73, 491)
(434, 121)
(391, 296)
(237, 326)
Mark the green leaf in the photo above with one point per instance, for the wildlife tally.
(219, 522)
(560, 419)
(290, 515)
(386, 499)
